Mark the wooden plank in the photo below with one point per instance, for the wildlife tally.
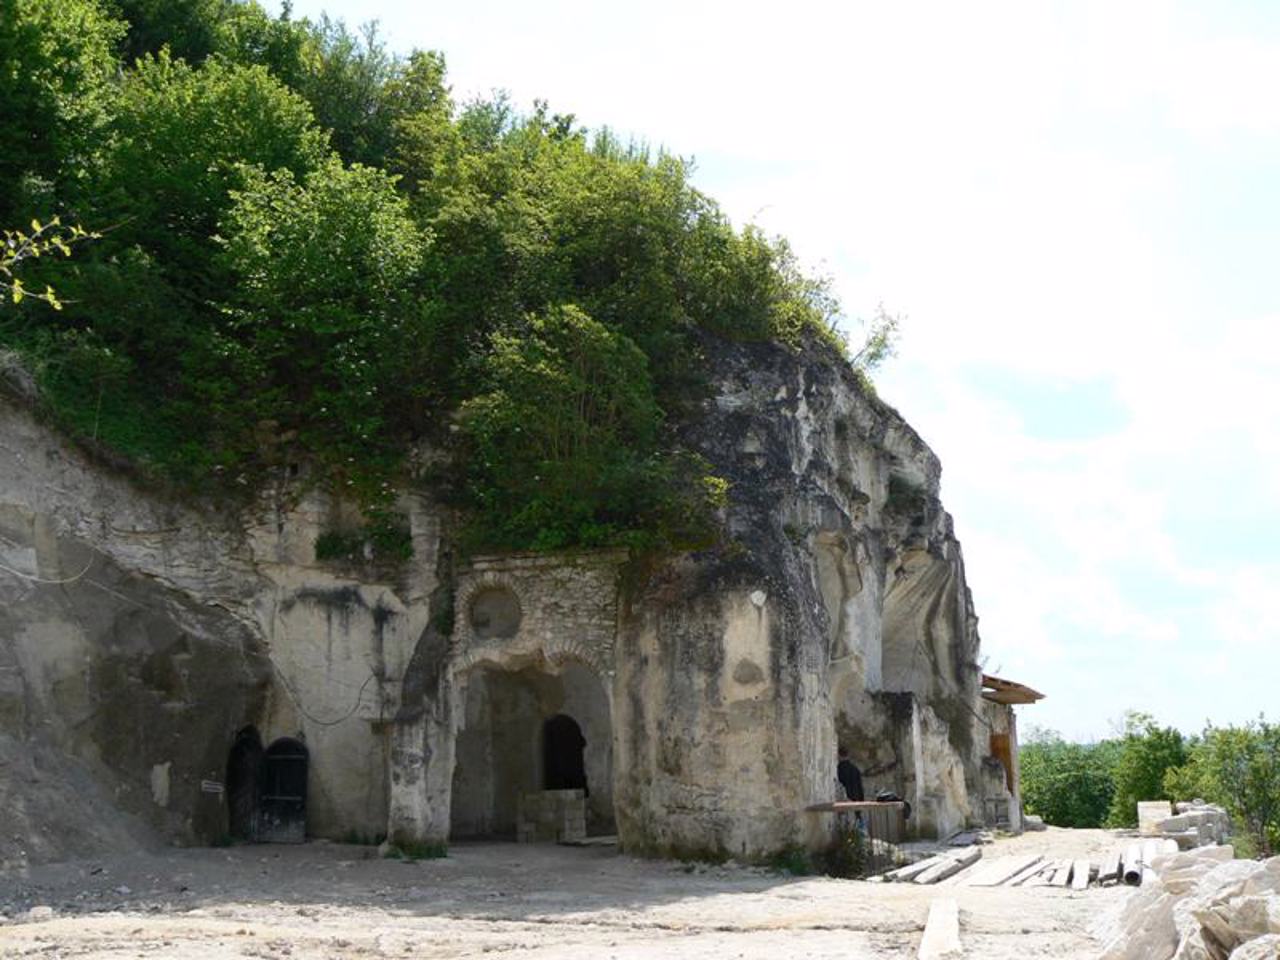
(1004, 869)
(1019, 879)
(1062, 875)
(1109, 869)
(950, 865)
(977, 874)
(961, 877)
(941, 931)
(1043, 876)
(1080, 874)
(913, 870)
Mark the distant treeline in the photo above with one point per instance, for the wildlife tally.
(1100, 784)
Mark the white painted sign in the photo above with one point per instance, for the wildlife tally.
(210, 786)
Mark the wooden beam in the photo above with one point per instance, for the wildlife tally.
(1109, 869)
(1019, 879)
(950, 865)
(913, 870)
(1062, 875)
(941, 931)
(1080, 874)
(1003, 870)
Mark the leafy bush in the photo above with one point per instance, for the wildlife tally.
(56, 58)
(1068, 784)
(793, 860)
(1238, 768)
(847, 855)
(563, 448)
(1144, 755)
(258, 298)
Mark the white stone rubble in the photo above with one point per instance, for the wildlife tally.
(1203, 905)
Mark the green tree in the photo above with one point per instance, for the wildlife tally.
(547, 291)
(188, 29)
(1146, 752)
(57, 70)
(1068, 784)
(563, 447)
(135, 355)
(352, 83)
(181, 140)
(325, 321)
(1238, 768)
(17, 247)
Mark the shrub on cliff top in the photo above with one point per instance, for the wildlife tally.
(539, 286)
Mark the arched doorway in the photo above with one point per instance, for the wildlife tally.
(563, 746)
(282, 816)
(244, 766)
(525, 730)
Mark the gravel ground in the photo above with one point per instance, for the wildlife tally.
(323, 900)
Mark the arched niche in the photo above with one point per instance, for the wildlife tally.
(501, 747)
(494, 613)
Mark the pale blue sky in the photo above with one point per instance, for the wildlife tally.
(1077, 206)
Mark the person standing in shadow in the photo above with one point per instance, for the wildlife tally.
(849, 775)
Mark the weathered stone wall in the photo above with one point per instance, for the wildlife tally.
(533, 636)
(835, 612)
(141, 633)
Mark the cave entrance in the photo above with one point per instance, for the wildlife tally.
(563, 754)
(282, 816)
(525, 731)
(244, 766)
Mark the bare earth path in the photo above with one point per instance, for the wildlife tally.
(334, 901)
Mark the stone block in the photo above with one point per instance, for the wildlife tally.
(1150, 813)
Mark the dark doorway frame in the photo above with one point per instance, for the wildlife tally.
(282, 815)
(563, 754)
(244, 774)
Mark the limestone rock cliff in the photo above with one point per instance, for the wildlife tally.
(142, 638)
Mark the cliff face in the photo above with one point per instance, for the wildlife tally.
(140, 636)
(837, 611)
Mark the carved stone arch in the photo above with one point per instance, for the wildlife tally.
(464, 633)
(561, 651)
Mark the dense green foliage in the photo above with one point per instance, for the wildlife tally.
(1068, 784)
(56, 69)
(310, 253)
(1239, 768)
(1144, 754)
(1097, 784)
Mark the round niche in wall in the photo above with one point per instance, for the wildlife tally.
(495, 612)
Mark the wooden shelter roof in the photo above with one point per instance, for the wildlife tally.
(1006, 691)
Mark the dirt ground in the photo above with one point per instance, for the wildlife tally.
(323, 900)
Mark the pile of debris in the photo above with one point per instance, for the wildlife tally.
(1195, 824)
(1200, 905)
(1129, 864)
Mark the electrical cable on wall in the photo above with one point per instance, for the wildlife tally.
(31, 578)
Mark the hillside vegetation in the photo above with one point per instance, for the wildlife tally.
(1101, 783)
(310, 253)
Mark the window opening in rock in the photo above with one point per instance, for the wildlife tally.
(562, 754)
(283, 816)
(244, 765)
(495, 613)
